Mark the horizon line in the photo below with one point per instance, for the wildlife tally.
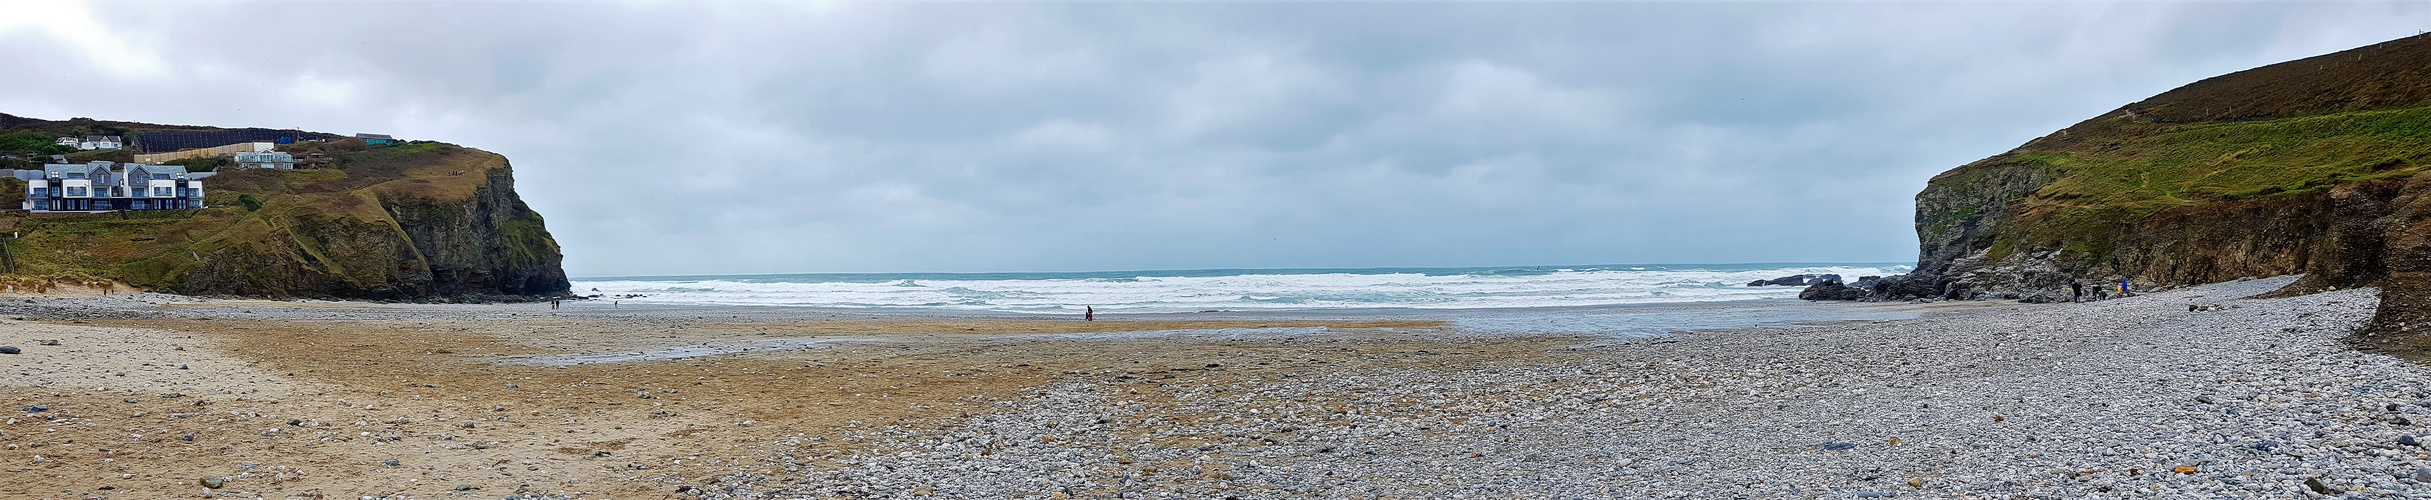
(1377, 268)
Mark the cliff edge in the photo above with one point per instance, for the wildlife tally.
(418, 221)
(2308, 166)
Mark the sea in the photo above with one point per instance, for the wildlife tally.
(1624, 300)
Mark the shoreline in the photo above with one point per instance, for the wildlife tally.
(316, 398)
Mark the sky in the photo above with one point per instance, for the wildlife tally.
(662, 138)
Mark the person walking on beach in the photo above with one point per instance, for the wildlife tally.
(1089, 313)
(2076, 292)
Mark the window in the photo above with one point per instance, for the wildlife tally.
(76, 191)
(42, 192)
(162, 191)
(160, 177)
(139, 205)
(73, 175)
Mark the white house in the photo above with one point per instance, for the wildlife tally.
(98, 187)
(92, 142)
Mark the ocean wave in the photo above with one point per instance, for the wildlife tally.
(1179, 291)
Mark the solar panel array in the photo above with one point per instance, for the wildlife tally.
(163, 142)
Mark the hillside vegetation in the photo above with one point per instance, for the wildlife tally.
(420, 221)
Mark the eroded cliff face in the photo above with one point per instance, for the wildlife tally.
(485, 246)
(2311, 166)
(2330, 235)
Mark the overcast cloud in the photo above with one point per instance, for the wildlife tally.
(777, 137)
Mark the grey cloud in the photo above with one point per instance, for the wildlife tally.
(769, 137)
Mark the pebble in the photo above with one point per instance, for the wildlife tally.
(4, 349)
(2002, 400)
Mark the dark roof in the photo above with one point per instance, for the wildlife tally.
(98, 138)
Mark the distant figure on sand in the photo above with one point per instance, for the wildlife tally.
(2076, 292)
(1090, 314)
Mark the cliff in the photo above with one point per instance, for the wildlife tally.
(421, 221)
(2308, 166)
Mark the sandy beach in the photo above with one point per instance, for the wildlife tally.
(152, 397)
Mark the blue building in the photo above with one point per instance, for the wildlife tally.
(104, 186)
(376, 139)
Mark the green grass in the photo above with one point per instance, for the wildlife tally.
(2154, 168)
(2105, 175)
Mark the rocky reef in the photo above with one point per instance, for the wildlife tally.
(2304, 167)
(421, 221)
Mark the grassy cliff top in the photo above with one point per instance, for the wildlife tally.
(2280, 130)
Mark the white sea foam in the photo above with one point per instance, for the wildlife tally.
(1059, 293)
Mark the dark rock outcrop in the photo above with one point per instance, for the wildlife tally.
(1833, 290)
(1797, 280)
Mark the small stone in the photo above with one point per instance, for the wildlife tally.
(2184, 469)
(187, 437)
(391, 462)
(2316, 485)
(2422, 475)
(923, 491)
(2263, 445)
(130, 400)
(48, 342)
(5, 349)
(37, 408)
(464, 487)
(214, 482)
(1839, 446)
(2409, 440)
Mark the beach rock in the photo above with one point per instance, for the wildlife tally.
(2421, 475)
(391, 462)
(9, 349)
(1796, 280)
(1833, 290)
(47, 342)
(2317, 486)
(214, 482)
(1839, 446)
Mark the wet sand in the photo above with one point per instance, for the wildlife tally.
(496, 400)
